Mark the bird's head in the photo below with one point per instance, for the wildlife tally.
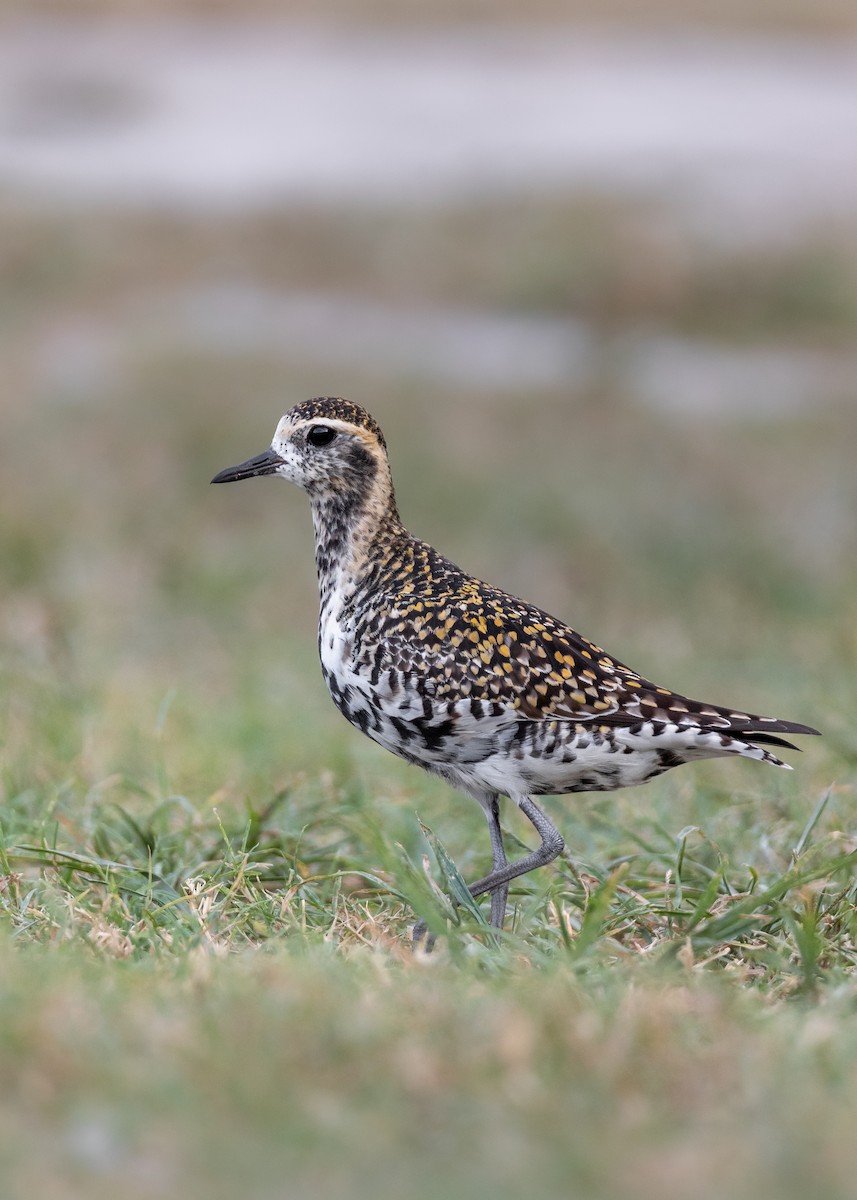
(331, 448)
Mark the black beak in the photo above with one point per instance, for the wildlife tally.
(263, 464)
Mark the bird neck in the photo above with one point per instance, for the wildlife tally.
(350, 527)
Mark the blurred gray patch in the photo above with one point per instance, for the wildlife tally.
(72, 103)
(746, 138)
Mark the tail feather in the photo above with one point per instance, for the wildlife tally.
(768, 739)
(769, 735)
(741, 737)
(745, 746)
(747, 739)
(772, 725)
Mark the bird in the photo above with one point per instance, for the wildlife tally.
(488, 692)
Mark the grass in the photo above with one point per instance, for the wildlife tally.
(436, 1081)
(605, 261)
(207, 879)
(139, 871)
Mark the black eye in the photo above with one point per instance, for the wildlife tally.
(321, 435)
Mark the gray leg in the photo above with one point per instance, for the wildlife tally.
(499, 894)
(491, 807)
(503, 872)
(552, 845)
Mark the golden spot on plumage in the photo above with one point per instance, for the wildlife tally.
(601, 705)
(663, 691)
(577, 698)
(565, 673)
(504, 650)
(542, 689)
(633, 683)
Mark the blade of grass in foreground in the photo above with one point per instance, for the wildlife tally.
(747, 914)
(596, 916)
(452, 877)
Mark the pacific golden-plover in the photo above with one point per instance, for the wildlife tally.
(488, 692)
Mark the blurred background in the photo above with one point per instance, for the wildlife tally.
(594, 270)
(593, 267)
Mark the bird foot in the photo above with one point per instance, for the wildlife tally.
(421, 939)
